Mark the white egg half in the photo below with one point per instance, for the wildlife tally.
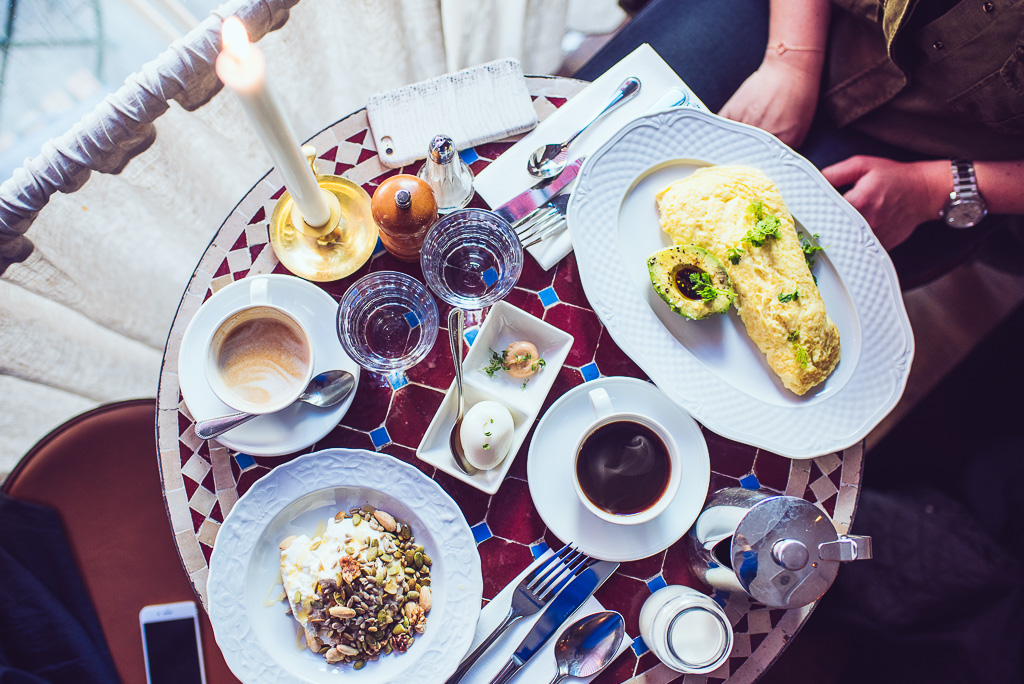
(486, 434)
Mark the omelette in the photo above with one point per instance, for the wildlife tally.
(737, 215)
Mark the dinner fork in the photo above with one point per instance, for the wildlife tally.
(533, 593)
(548, 220)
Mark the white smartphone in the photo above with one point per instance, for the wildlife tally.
(171, 643)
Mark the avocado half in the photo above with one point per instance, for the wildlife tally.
(670, 271)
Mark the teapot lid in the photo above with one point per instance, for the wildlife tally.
(776, 552)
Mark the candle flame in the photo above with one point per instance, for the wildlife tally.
(234, 38)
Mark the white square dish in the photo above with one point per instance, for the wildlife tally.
(504, 324)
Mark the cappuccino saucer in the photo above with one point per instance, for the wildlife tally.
(549, 470)
(290, 429)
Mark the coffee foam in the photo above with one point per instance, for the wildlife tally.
(262, 356)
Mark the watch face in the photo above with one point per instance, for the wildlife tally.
(964, 214)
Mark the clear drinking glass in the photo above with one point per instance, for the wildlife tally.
(387, 322)
(471, 258)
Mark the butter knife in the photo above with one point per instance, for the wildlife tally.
(525, 202)
(555, 615)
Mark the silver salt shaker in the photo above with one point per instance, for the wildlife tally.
(448, 176)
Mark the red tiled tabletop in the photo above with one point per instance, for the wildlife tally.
(202, 480)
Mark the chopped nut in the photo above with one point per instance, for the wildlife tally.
(425, 599)
(287, 542)
(342, 612)
(385, 520)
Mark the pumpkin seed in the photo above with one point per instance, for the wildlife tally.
(359, 665)
(356, 519)
(417, 558)
(339, 516)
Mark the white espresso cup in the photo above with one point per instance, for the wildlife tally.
(626, 468)
(259, 358)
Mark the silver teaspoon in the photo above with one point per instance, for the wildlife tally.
(456, 324)
(325, 390)
(589, 645)
(549, 160)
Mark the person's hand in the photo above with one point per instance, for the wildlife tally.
(894, 197)
(780, 97)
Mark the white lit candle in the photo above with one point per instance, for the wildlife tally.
(242, 68)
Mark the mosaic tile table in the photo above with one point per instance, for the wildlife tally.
(202, 480)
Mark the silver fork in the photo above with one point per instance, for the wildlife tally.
(548, 220)
(533, 593)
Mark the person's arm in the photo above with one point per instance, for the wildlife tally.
(782, 95)
(897, 197)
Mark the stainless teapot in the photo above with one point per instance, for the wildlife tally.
(780, 550)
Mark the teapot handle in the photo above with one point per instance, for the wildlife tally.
(846, 548)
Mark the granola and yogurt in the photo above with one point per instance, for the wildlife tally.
(360, 589)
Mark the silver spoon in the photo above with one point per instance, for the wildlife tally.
(589, 645)
(325, 390)
(456, 324)
(549, 160)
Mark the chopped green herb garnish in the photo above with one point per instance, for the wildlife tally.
(492, 420)
(733, 254)
(497, 363)
(765, 226)
(793, 336)
(486, 447)
(802, 357)
(703, 287)
(788, 296)
(810, 250)
(487, 434)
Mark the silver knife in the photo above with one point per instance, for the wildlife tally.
(555, 615)
(525, 202)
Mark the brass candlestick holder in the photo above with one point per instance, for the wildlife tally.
(331, 251)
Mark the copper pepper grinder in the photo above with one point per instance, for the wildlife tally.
(404, 209)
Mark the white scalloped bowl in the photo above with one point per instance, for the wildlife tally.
(259, 640)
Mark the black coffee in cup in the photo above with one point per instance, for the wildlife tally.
(623, 467)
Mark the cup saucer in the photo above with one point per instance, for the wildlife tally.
(290, 429)
(549, 471)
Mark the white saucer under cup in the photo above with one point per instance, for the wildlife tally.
(550, 472)
(293, 428)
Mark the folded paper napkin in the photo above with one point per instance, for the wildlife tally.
(473, 106)
(660, 88)
(540, 668)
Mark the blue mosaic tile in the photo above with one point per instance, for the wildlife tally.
(720, 597)
(656, 583)
(470, 336)
(481, 532)
(469, 155)
(548, 296)
(750, 482)
(538, 549)
(397, 380)
(590, 372)
(244, 461)
(490, 277)
(639, 647)
(412, 319)
(380, 437)
(379, 248)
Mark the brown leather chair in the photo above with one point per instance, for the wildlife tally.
(99, 471)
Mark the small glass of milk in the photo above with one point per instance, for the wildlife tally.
(686, 629)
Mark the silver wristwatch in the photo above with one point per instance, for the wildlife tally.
(965, 207)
